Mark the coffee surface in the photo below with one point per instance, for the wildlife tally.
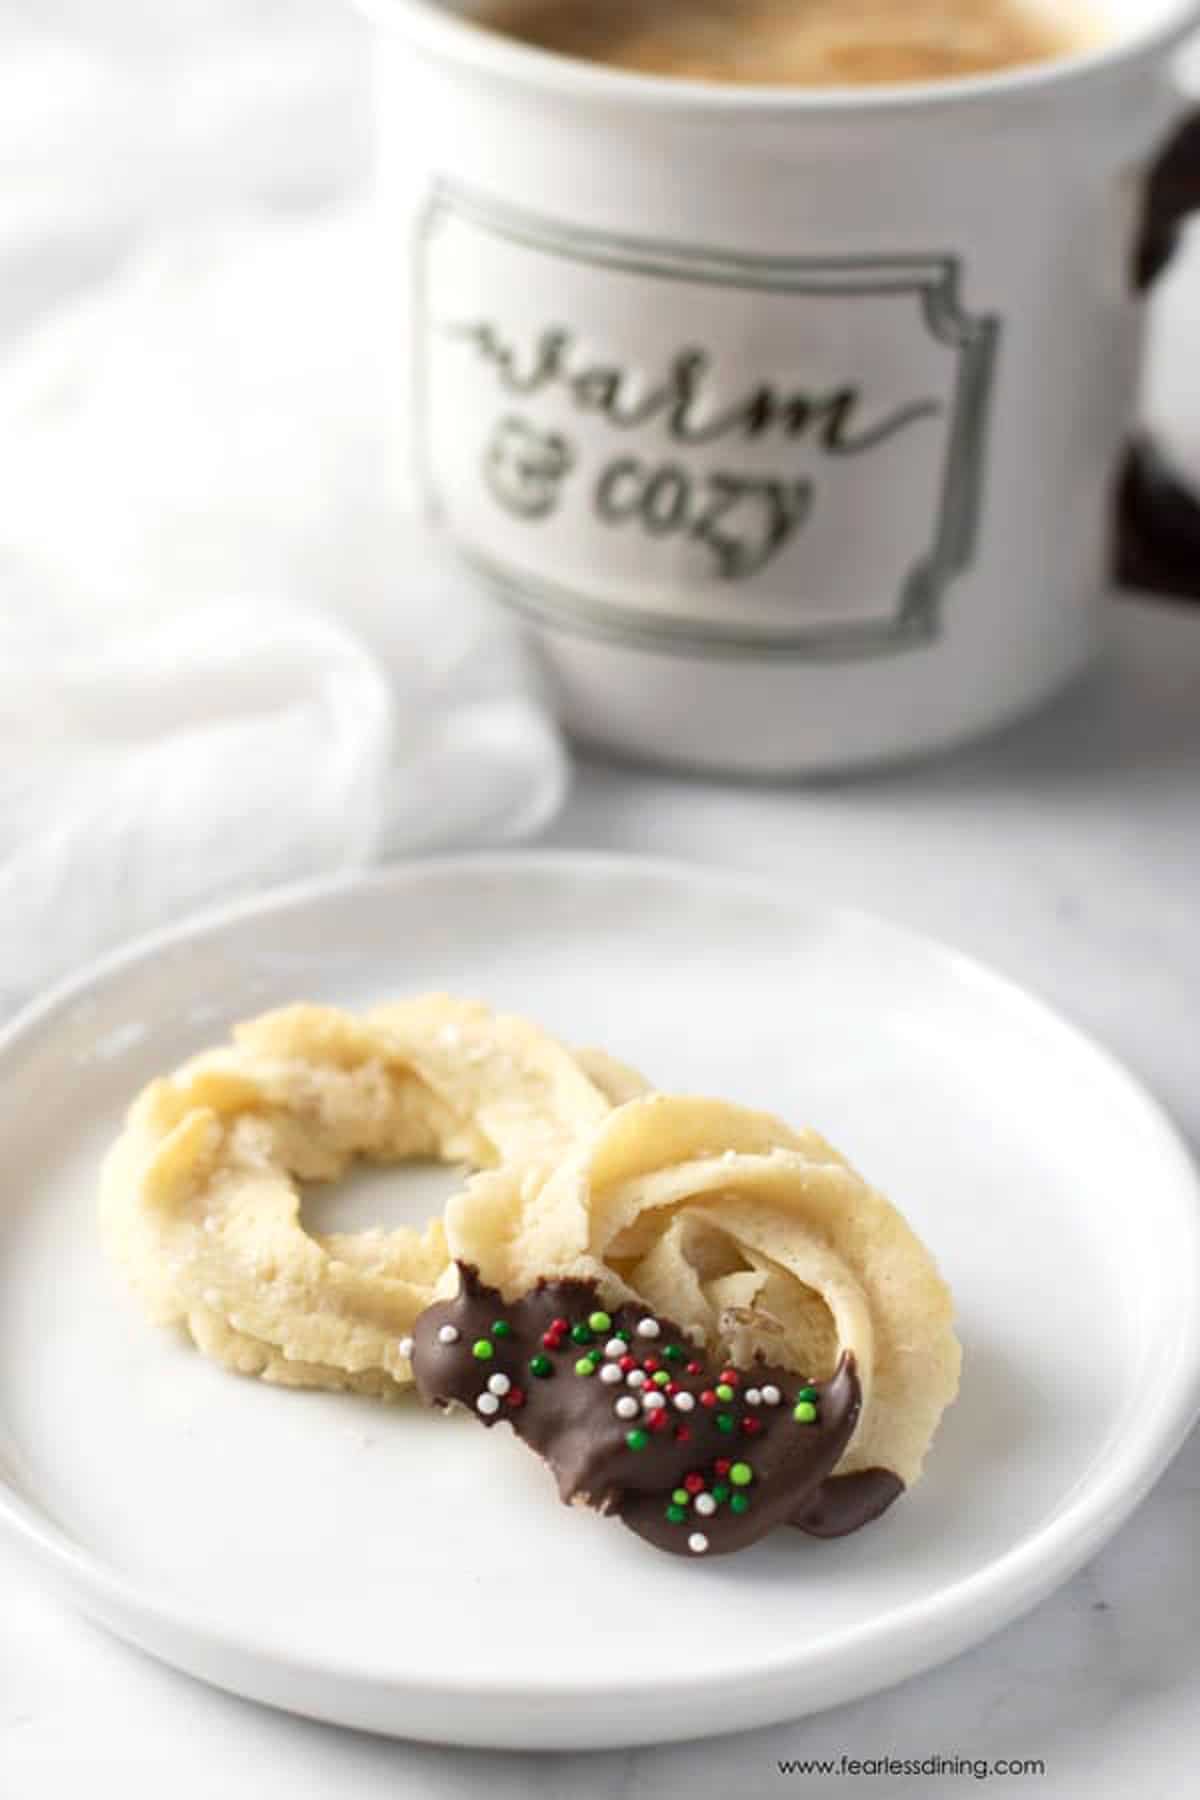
(805, 43)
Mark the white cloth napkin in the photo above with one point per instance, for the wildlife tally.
(226, 658)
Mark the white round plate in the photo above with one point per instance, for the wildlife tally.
(411, 1574)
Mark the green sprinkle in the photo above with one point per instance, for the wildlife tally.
(541, 1366)
(807, 1393)
(482, 1349)
(740, 1503)
(599, 1321)
(585, 1366)
(720, 1493)
(680, 1497)
(673, 1353)
(626, 1337)
(660, 1378)
(741, 1474)
(501, 1328)
(580, 1334)
(724, 1391)
(676, 1514)
(637, 1439)
(805, 1413)
(725, 1422)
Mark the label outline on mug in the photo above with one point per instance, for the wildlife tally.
(935, 279)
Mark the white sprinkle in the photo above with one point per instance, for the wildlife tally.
(653, 1401)
(685, 1402)
(615, 1347)
(636, 1378)
(753, 1397)
(771, 1394)
(704, 1504)
(609, 1372)
(498, 1384)
(649, 1328)
(448, 1334)
(487, 1404)
(626, 1407)
(698, 1543)
(405, 1347)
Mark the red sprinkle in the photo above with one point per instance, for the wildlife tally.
(695, 1368)
(672, 1387)
(694, 1483)
(552, 1340)
(729, 1375)
(722, 1465)
(515, 1396)
(560, 1325)
(626, 1363)
(750, 1425)
(708, 1398)
(683, 1434)
(650, 1363)
(660, 1419)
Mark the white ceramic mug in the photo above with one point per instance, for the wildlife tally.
(787, 419)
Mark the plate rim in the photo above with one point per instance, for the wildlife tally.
(946, 1621)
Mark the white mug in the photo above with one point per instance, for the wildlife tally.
(786, 419)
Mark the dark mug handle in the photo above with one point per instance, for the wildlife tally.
(1158, 519)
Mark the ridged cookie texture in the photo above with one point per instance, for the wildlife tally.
(200, 1196)
(762, 1238)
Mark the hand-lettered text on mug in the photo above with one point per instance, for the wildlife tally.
(741, 518)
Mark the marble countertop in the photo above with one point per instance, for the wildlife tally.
(1067, 854)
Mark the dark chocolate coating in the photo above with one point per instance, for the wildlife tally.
(571, 1419)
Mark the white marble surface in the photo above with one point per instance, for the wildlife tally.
(1068, 854)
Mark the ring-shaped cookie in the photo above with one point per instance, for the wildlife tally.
(200, 1196)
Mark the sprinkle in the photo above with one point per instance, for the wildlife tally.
(651, 1364)
(698, 1543)
(615, 1347)
(585, 1366)
(448, 1334)
(771, 1395)
(679, 1497)
(661, 1379)
(637, 1439)
(741, 1474)
(671, 1388)
(731, 1376)
(516, 1396)
(807, 1393)
(649, 1328)
(805, 1413)
(552, 1340)
(541, 1366)
(694, 1483)
(658, 1421)
(722, 1465)
(498, 1384)
(501, 1328)
(610, 1373)
(683, 1434)
(652, 1402)
(673, 1353)
(695, 1368)
(753, 1397)
(627, 1362)
(705, 1505)
(487, 1404)
(580, 1334)
(405, 1347)
(725, 1422)
(751, 1426)
(626, 1407)
(676, 1514)
(724, 1391)
(559, 1325)
(635, 1378)
(740, 1503)
(599, 1321)
(482, 1350)
(685, 1402)
(708, 1398)
(720, 1493)
(625, 1336)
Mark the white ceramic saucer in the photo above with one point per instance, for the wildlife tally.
(389, 1569)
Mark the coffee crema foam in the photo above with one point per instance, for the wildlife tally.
(802, 43)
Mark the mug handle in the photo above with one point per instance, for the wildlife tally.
(1158, 519)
